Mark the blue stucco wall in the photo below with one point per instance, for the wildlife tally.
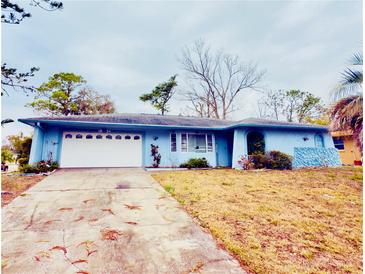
(283, 140)
(315, 156)
(168, 158)
(37, 146)
(228, 146)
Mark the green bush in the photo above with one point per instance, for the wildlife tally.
(258, 160)
(195, 163)
(40, 167)
(278, 160)
(23, 161)
(271, 160)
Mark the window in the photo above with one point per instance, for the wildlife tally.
(338, 142)
(196, 142)
(318, 140)
(78, 136)
(136, 137)
(99, 136)
(118, 137)
(210, 142)
(109, 137)
(127, 137)
(68, 136)
(173, 142)
(89, 136)
(184, 142)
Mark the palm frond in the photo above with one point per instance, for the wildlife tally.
(357, 59)
(352, 77)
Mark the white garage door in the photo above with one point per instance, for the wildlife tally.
(82, 149)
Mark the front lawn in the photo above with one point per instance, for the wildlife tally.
(14, 185)
(301, 221)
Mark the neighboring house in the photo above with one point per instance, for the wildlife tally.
(124, 140)
(345, 144)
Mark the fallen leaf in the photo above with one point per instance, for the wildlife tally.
(89, 200)
(132, 206)
(108, 210)
(82, 272)
(89, 252)
(57, 247)
(37, 259)
(42, 241)
(79, 261)
(43, 254)
(65, 208)
(131, 223)
(86, 243)
(110, 234)
(79, 219)
(51, 221)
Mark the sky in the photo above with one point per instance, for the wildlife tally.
(124, 49)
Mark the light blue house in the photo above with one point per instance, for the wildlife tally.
(124, 140)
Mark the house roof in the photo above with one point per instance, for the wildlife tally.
(142, 119)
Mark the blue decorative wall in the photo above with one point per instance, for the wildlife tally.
(316, 156)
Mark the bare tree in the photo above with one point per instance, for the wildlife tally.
(271, 104)
(216, 79)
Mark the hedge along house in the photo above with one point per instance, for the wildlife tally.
(124, 140)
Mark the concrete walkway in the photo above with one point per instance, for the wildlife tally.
(105, 221)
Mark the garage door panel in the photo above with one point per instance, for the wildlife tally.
(119, 151)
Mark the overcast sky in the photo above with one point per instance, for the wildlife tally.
(125, 49)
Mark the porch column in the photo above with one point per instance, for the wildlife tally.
(37, 146)
(239, 146)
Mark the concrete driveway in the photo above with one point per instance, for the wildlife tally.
(105, 221)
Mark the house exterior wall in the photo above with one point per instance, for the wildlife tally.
(161, 138)
(47, 144)
(228, 145)
(351, 153)
(37, 145)
(284, 140)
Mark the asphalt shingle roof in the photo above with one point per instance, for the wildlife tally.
(168, 120)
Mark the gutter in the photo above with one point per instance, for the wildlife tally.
(33, 123)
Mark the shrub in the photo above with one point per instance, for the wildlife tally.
(278, 160)
(270, 160)
(26, 168)
(258, 160)
(40, 167)
(195, 163)
(23, 161)
(156, 157)
(246, 163)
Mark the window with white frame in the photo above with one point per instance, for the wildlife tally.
(173, 142)
(196, 142)
(184, 142)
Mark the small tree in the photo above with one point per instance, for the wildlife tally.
(21, 146)
(63, 94)
(161, 95)
(6, 155)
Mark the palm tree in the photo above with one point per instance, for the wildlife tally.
(347, 112)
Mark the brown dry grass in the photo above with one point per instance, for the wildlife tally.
(15, 185)
(301, 221)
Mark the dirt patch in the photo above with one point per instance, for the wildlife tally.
(13, 185)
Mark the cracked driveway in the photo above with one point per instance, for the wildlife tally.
(114, 220)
